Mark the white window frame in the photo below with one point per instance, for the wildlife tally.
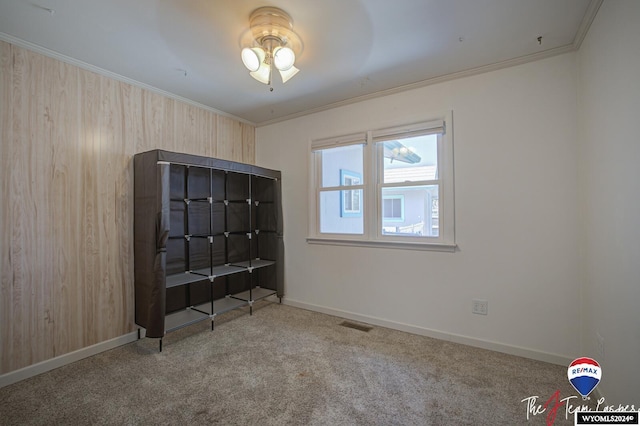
(372, 187)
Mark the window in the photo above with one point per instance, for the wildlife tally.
(392, 208)
(389, 187)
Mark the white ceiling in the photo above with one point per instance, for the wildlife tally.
(353, 49)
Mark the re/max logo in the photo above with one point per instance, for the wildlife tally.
(581, 370)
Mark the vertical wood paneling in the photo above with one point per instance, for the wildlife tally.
(66, 310)
(133, 129)
(131, 135)
(168, 124)
(29, 200)
(213, 122)
(89, 143)
(248, 143)
(68, 137)
(236, 140)
(229, 130)
(193, 129)
(152, 120)
(14, 276)
(107, 163)
(6, 225)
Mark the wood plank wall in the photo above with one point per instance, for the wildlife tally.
(67, 140)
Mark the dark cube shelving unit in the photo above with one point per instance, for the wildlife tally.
(207, 238)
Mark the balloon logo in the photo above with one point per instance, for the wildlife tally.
(584, 375)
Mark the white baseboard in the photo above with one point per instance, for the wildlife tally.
(50, 364)
(451, 337)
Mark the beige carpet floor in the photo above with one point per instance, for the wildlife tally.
(288, 366)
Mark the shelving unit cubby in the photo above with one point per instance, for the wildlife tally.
(207, 238)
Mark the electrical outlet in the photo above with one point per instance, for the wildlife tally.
(480, 307)
(600, 347)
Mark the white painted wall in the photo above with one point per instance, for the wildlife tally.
(516, 208)
(609, 122)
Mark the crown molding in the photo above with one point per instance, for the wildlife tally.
(581, 33)
(587, 20)
(428, 82)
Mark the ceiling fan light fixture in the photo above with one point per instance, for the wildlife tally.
(270, 41)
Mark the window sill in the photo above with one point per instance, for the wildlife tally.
(444, 247)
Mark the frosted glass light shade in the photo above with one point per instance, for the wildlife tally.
(288, 74)
(263, 74)
(252, 58)
(283, 58)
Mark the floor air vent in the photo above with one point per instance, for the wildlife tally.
(356, 326)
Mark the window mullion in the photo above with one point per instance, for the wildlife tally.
(370, 170)
(442, 222)
(317, 179)
(342, 188)
(379, 177)
(410, 183)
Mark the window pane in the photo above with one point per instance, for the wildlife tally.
(387, 207)
(341, 212)
(410, 211)
(411, 159)
(342, 166)
(393, 208)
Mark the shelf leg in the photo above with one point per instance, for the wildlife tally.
(211, 324)
(138, 334)
(160, 345)
(280, 300)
